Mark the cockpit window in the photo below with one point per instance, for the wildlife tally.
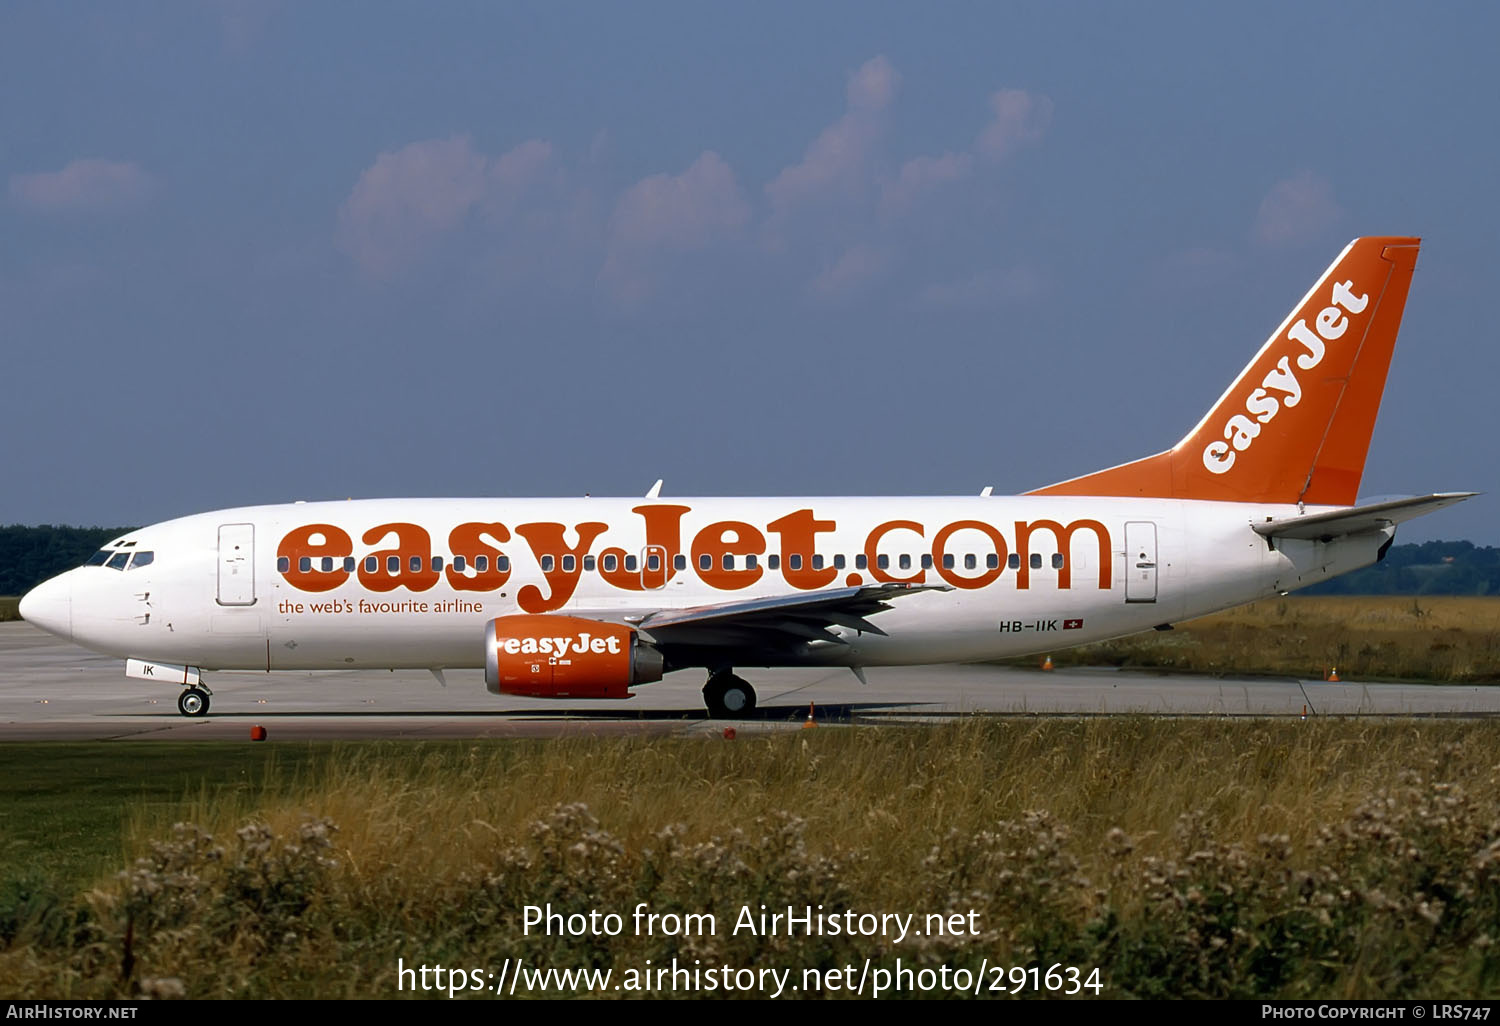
(99, 558)
(118, 561)
(141, 559)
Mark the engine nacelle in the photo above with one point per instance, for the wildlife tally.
(566, 657)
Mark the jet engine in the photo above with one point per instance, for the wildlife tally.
(566, 657)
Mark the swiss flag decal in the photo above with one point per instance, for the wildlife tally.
(1072, 625)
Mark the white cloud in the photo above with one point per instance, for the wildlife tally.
(873, 86)
(666, 214)
(855, 268)
(922, 175)
(409, 198)
(681, 211)
(992, 287)
(510, 175)
(1296, 210)
(84, 185)
(243, 22)
(1020, 119)
(841, 153)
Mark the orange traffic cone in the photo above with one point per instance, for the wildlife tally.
(1047, 663)
(809, 722)
(1333, 675)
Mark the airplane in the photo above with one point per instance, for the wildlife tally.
(586, 598)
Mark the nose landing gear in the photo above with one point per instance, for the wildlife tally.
(194, 700)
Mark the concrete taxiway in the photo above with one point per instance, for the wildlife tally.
(54, 690)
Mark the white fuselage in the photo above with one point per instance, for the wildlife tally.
(411, 583)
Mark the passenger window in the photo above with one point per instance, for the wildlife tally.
(653, 562)
(630, 564)
(970, 562)
(304, 565)
(547, 564)
(838, 561)
(502, 564)
(569, 563)
(1036, 561)
(611, 563)
(283, 565)
(861, 562)
(728, 561)
(773, 562)
(588, 563)
(817, 562)
(1014, 561)
(393, 565)
(416, 564)
(99, 558)
(705, 562)
(679, 561)
(750, 562)
(482, 564)
(327, 564)
(459, 564)
(142, 559)
(883, 561)
(947, 561)
(1057, 560)
(992, 561)
(794, 561)
(372, 564)
(437, 562)
(904, 561)
(349, 564)
(926, 561)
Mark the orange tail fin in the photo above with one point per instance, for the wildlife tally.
(1295, 426)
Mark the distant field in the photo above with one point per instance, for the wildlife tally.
(9, 608)
(1370, 638)
(1181, 858)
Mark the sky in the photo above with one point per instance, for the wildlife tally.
(257, 251)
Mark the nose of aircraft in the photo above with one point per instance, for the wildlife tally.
(50, 606)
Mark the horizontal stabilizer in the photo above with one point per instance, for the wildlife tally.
(1356, 519)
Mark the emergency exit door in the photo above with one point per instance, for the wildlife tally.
(237, 565)
(1140, 561)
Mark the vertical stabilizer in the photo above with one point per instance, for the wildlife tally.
(1295, 426)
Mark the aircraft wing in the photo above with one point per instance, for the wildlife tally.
(778, 622)
(1372, 517)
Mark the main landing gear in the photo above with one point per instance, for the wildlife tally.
(728, 697)
(194, 700)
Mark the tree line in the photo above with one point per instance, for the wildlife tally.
(1429, 568)
(30, 555)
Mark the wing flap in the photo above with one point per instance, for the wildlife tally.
(780, 620)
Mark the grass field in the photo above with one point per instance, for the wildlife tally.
(1367, 638)
(1183, 858)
